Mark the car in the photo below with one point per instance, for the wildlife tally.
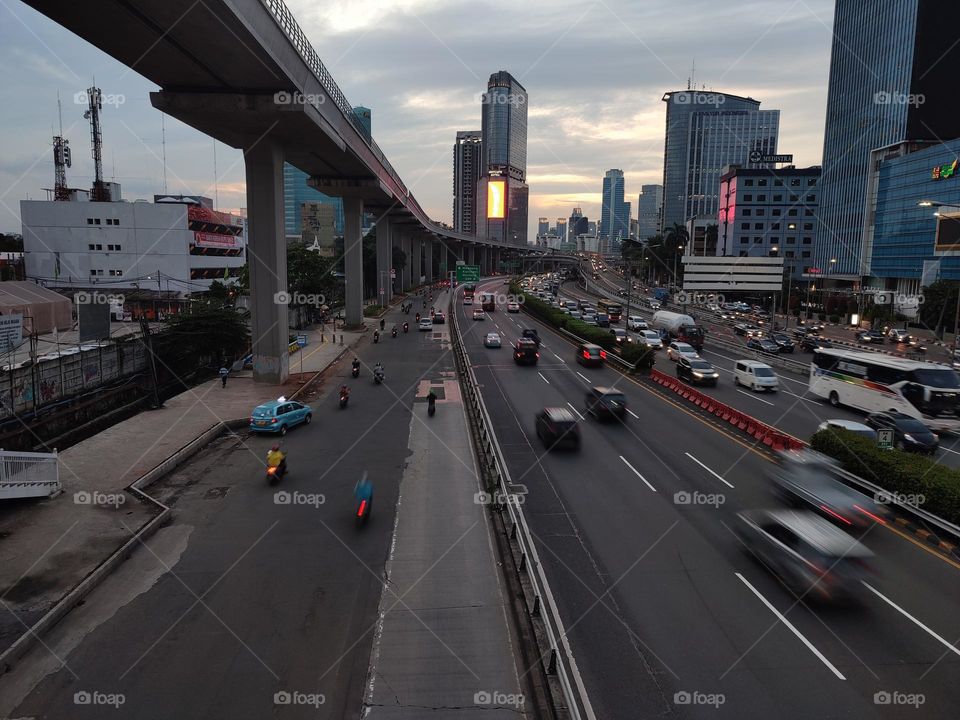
(513, 307)
(426, 324)
(654, 304)
(755, 375)
(531, 334)
(590, 355)
(467, 300)
(650, 338)
(812, 342)
(899, 335)
(813, 558)
(589, 320)
(783, 341)
(525, 352)
(635, 322)
(810, 479)
(909, 434)
(678, 349)
(439, 319)
(871, 336)
(492, 340)
(479, 314)
(764, 345)
(605, 403)
(849, 425)
(748, 330)
(575, 314)
(557, 428)
(279, 416)
(620, 336)
(603, 320)
(803, 331)
(697, 371)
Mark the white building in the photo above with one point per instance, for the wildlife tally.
(177, 245)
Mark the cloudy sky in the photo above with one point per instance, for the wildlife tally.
(595, 73)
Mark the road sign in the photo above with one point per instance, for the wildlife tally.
(885, 438)
(468, 273)
(393, 274)
(302, 340)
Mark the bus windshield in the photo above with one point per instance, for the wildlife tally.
(931, 377)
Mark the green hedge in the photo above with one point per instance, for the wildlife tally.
(895, 471)
(372, 310)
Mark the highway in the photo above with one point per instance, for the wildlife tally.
(661, 602)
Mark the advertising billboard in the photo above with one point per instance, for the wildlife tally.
(496, 199)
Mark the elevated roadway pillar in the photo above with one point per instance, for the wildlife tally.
(384, 260)
(428, 258)
(417, 247)
(353, 260)
(405, 246)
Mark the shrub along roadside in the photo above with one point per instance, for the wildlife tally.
(895, 471)
(641, 356)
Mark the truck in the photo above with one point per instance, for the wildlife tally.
(680, 327)
(661, 294)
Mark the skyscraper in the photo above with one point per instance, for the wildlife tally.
(705, 132)
(467, 168)
(504, 149)
(649, 205)
(614, 213)
(892, 70)
(578, 224)
(543, 226)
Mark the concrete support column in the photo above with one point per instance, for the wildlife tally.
(468, 254)
(267, 252)
(384, 260)
(405, 246)
(428, 259)
(353, 260)
(417, 259)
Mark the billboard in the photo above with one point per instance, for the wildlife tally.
(215, 240)
(496, 199)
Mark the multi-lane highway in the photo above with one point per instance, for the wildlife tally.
(666, 612)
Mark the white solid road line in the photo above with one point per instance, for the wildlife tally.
(585, 378)
(543, 378)
(576, 411)
(708, 470)
(791, 627)
(627, 463)
(633, 413)
(891, 603)
(754, 396)
(559, 358)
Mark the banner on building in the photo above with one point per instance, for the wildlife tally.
(215, 240)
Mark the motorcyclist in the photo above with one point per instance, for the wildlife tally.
(418, 317)
(431, 399)
(382, 323)
(378, 369)
(277, 458)
(376, 335)
(356, 364)
(363, 490)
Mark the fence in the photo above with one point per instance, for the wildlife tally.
(27, 474)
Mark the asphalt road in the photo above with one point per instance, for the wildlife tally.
(661, 602)
(252, 596)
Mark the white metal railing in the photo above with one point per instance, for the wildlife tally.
(28, 474)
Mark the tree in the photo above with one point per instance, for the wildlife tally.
(310, 274)
(939, 305)
(202, 336)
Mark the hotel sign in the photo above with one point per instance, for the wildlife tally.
(942, 172)
(757, 156)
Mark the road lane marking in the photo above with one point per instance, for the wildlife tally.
(708, 470)
(754, 396)
(633, 413)
(559, 358)
(585, 378)
(543, 378)
(891, 603)
(627, 463)
(790, 626)
(576, 411)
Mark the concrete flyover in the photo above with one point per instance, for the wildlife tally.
(243, 72)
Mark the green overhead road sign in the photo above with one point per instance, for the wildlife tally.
(468, 273)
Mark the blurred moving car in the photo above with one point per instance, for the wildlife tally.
(851, 425)
(676, 350)
(812, 342)
(605, 403)
(426, 324)
(620, 336)
(525, 352)
(531, 334)
(755, 375)
(899, 335)
(279, 416)
(909, 434)
(697, 371)
(591, 355)
(650, 338)
(748, 330)
(557, 428)
(479, 314)
(783, 341)
(513, 307)
(492, 340)
(813, 558)
(870, 336)
(439, 319)
(764, 345)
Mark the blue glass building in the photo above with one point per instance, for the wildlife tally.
(614, 213)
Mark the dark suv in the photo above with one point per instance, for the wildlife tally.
(590, 355)
(531, 334)
(784, 341)
(525, 352)
(605, 403)
(908, 433)
(557, 428)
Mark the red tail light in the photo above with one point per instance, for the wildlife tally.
(586, 354)
(363, 506)
(603, 354)
(537, 354)
(875, 518)
(272, 470)
(838, 516)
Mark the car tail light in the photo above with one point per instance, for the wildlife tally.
(872, 516)
(586, 354)
(603, 354)
(537, 354)
(837, 515)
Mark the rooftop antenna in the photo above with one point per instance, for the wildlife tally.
(163, 145)
(95, 105)
(692, 80)
(61, 160)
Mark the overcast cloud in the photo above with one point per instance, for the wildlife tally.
(595, 73)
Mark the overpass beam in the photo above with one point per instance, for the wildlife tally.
(417, 248)
(384, 259)
(268, 262)
(405, 245)
(353, 260)
(428, 258)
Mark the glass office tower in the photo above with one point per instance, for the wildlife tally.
(614, 213)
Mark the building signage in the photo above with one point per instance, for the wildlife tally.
(215, 240)
(942, 172)
(496, 199)
(11, 330)
(757, 156)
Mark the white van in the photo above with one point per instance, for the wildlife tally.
(755, 375)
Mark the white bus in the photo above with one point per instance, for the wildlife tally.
(872, 382)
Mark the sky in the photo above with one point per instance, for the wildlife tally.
(595, 74)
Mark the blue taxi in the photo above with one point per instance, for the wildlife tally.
(278, 416)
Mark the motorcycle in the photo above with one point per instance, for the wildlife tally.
(355, 372)
(394, 331)
(344, 397)
(376, 336)
(378, 376)
(406, 327)
(363, 497)
(276, 472)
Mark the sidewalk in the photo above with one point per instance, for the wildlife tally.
(443, 641)
(48, 546)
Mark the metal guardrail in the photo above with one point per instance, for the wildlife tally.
(28, 474)
(561, 662)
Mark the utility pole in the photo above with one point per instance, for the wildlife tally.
(148, 344)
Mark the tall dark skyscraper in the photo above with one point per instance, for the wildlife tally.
(467, 168)
(892, 68)
(504, 148)
(614, 213)
(649, 205)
